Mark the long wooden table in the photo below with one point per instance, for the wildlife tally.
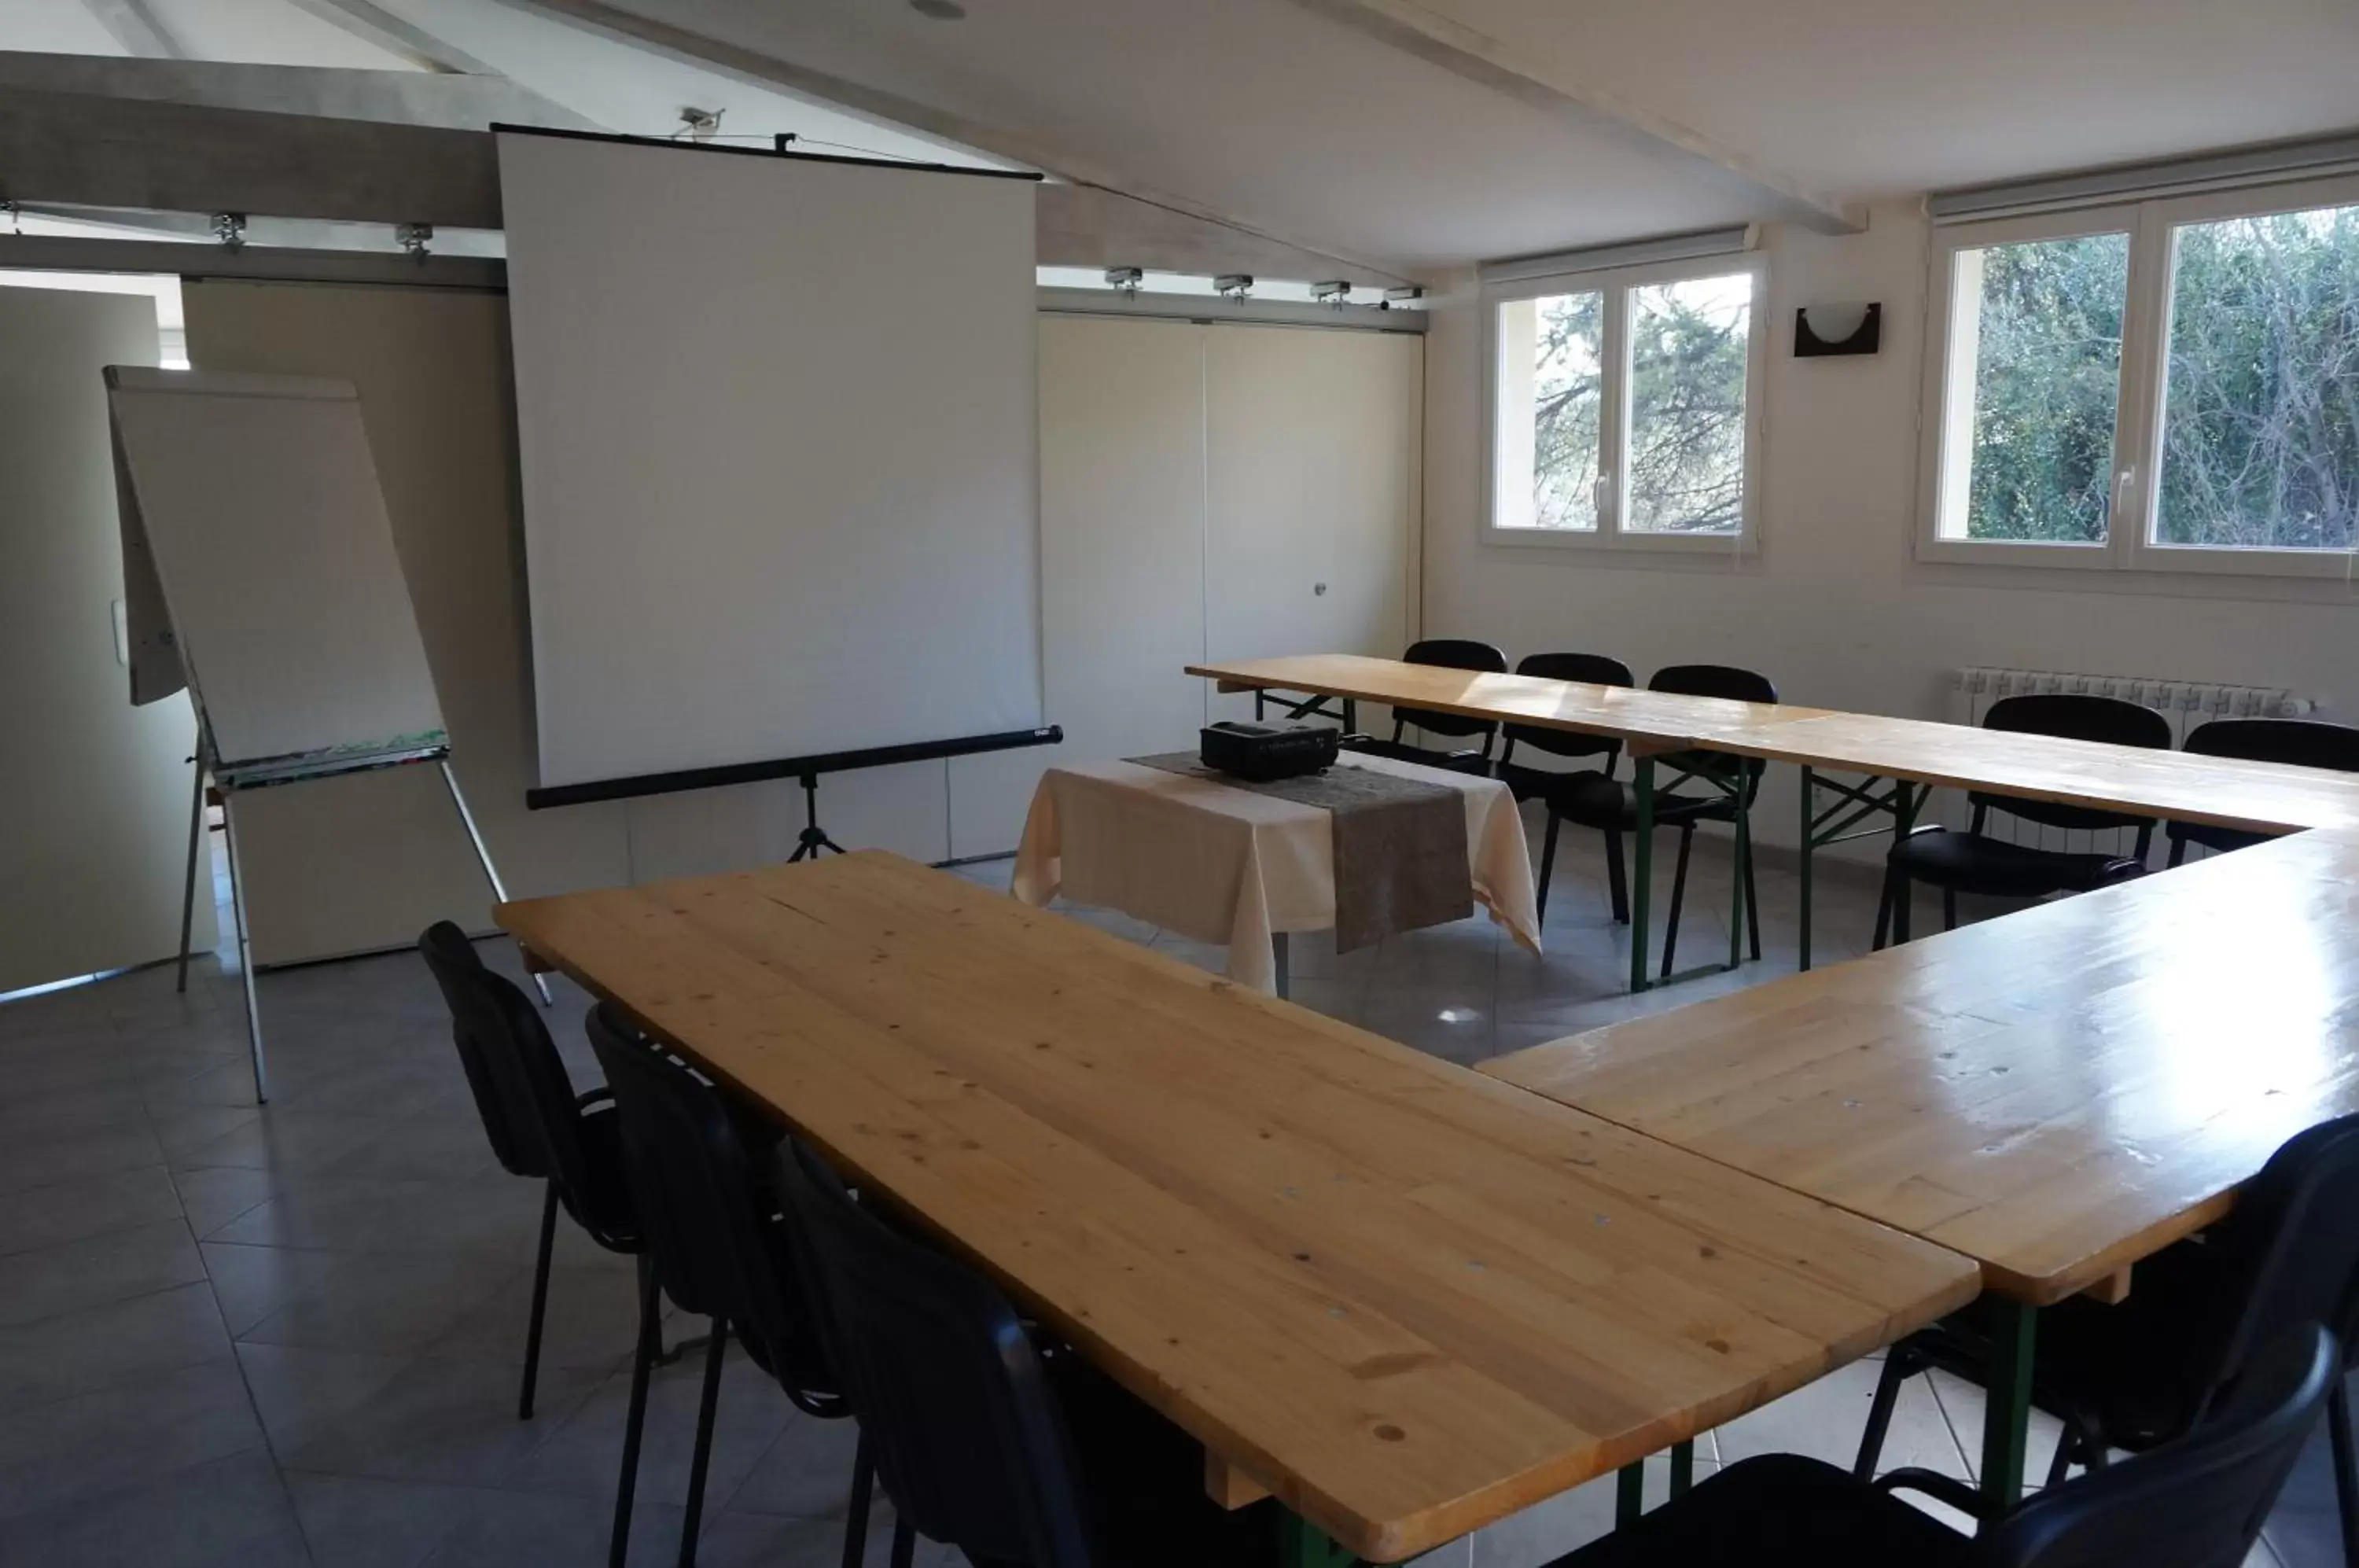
(2055, 1095)
(1404, 1298)
(2221, 791)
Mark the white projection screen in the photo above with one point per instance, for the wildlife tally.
(781, 465)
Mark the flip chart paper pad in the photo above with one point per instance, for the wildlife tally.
(254, 502)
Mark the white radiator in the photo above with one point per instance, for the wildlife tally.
(2188, 704)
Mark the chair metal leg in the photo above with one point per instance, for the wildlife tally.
(539, 1304)
(856, 1516)
(1617, 879)
(1883, 916)
(2059, 1464)
(904, 1540)
(2347, 1469)
(1898, 1367)
(1904, 900)
(1678, 896)
(619, 1543)
(1948, 909)
(1548, 865)
(701, 1458)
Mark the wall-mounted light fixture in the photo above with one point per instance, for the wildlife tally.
(1826, 331)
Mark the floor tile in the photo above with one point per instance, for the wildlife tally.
(585, 1448)
(96, 1270)
(126, 1343)
(35, 1217)
(229, 1513)
(102, 1442)
(450, 1422)
(394, 1304)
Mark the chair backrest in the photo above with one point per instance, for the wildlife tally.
(1450, 653)
(718, 1248)
(1590, 669)
(1715, 680)
(2196, 1503)
(2075, 716)
(951, 1396)
(2305, 743)
(2288, 1253)
(493, 1038)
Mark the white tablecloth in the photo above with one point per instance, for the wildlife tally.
(1221, 864)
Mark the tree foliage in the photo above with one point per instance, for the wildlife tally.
(1686, 400)
(2261, 409)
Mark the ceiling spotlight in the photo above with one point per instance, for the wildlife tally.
(939, 10)
(1125, 278)
(1333, 293)
(699, 125)
(1232, 285)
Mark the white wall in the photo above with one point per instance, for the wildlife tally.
(95, 848)
(1834, 609)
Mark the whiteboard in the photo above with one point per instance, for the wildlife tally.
(777, 418)
(258, 550)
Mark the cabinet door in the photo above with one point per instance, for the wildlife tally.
(1122, 560)
(1312, 463)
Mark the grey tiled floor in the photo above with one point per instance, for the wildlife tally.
(240, 1335)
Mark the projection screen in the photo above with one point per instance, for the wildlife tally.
(781, 470)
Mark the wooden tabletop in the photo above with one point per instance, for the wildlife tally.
(2223, 791)
(1657, 719)
(2226, 791)
(2055, 1094)
(1405, 1298)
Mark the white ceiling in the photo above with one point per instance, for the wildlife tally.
(1293, 122)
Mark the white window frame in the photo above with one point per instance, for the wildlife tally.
(2129, 544)
(1614, 422)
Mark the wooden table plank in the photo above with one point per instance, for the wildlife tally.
(2055, 1094)
(1405, 1299)
(2260, 796)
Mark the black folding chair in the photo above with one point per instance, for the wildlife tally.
(2146, 1371)
(2304, 743)
(1603, 802)
(973, 1422)
(1448, 653)
(720, 1249)
(536, 1125)
(1974, 862)
(1526, 782)
(2196, 1503)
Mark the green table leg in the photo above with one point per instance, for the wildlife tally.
(1629, 1495)
(1736, 877)
(1682, 1467)
(1642, 869)
(2007, 1411)
(1809, 846)
(1302, 1545)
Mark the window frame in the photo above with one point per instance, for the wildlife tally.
(1614, 417)
(2129, 545)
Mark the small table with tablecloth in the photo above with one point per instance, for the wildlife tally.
(1220, 862)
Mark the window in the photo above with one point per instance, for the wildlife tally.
(1623, 405)
(2171, 383)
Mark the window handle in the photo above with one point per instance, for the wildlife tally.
(2124, 482)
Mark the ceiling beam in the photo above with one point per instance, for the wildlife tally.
(135, 26)
(1416, 29)
(909, 114)
(81, 150)
(366, 20)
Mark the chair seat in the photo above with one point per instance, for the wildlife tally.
(1974, 862)
(1610, 805)
(2134, 1372)
(2214, 838)
(1780, 1510)
(601, 1202)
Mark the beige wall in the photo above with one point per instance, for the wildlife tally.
(366, 862)
(1835, 608)
(95, 848)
